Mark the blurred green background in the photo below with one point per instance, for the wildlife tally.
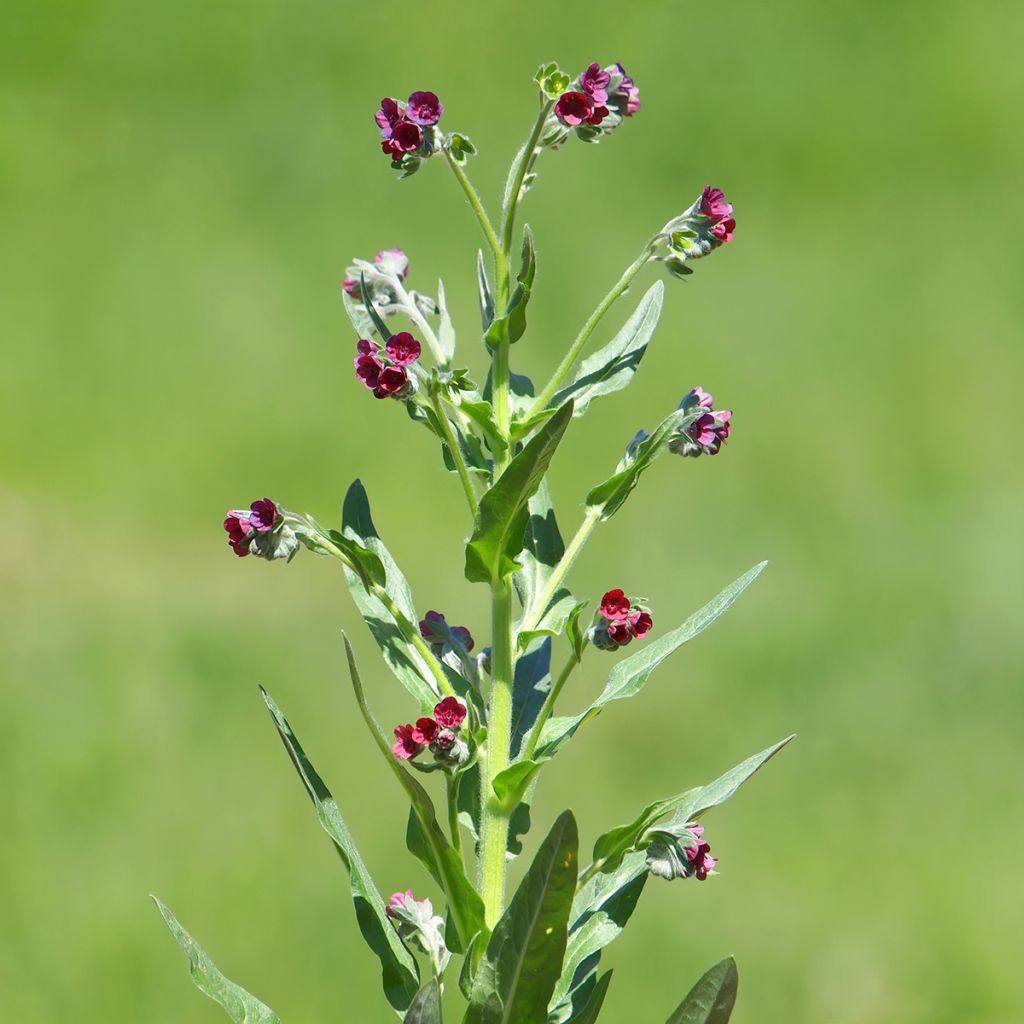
(181, 187)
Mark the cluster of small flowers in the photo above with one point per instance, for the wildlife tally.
(620, 621)
(385, 374)
(417, 923)
(708, 432)
(439, 733)
(602, 97)
(260, 530)
(705, 226)
(435, 630)
(680, 853)
(408, 130)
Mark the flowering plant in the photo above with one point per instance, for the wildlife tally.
(483, 720)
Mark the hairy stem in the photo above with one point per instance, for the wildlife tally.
(573, 353)
(413, 313)
(453, 447)
(517, 175)
(530, 747)
(452, 789)
(500, 256)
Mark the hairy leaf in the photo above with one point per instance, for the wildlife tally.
(501, 520)
(543, 547)
(379, 326)
(403, 660)
(523, 958)
(469, 813)
(711, 1000)
(613, 844)
(484, 292)
(628, 676)
(612, 368)
(361, 322)
(242, 1007)
(510, 785)
(426, 1007)
(592, 1007)
(530, 687)
(445, 330)
(400, 975)
(511, 325)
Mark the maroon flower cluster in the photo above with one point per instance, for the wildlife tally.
(621, 620)
(708, 432)
(601, 92)
(713, 206)
(402, 124)
(435, 630)
(699, 854)
(384, 373)
(242, 526)
(438, 733)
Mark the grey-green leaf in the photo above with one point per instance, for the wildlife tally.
(613, 844)
(426, 1007)
(445, 330)
(530, 687)
(612, 368)
(593, 1005)
(501, 520)
(484, 290)
(359, 318)
(371, 310)
(522, 962)
(400, 975)
(403, 660)
(711, 1000)
(241, 1006)
(628, 676)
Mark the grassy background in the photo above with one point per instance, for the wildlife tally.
(181, 187)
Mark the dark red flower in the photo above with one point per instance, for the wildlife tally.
(615, 606)
(425, 730)
(239, 532)
(368, 366)
(403, 349)
(463, 636)
(405, 747)
(619, 633)
(388, 116)
(699, 855)
(432, 627)
(573, 108)
(640, 624)
(263, 515)
(392, 381)
(450, 713)
(424, 108)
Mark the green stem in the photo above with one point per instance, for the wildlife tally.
(575, 546)
(418, 319)
(453, 447)
(478, 209)
(517, 176)
(570, 357)
(533, 739)
(452, 787)
(493, 820)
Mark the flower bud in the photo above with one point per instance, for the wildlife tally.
(417, 924)
(620, 620)
(679, 853)
(707, 432)
(261, 530)
(706, 225)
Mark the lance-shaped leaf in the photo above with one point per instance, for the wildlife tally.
(359, 318)
(446, 329)
(511, 325)
(521, 964)
(596, 927)
(611, 495)
(382, 329)
(615, 843)
(501, 520)
(628, 676)
(530, 687)
(242, 1007)
(424, 836)
(404, 660)
(711, 1000)
(543, 547)
(400, 975)
(426, 1007)
(612, 368)
(484, 292)
(591, 1007)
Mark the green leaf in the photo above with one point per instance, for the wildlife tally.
(400, 975)
(404, 660)
(242, 1007)
(543, 547)
(469, 813)
(426, 1007)
(484, 292)
(510, 784)
(593, 1005)
(561, 608)
(511, 326)
(628, 676)
(523, 958)
(594, 929)
(711, 1000)
(530, 687)
(371, 310)
(501, 520)
(445, 330)
(361, 322)
(612, 494)
(615, 843)
(470, 962)
(612, 368)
